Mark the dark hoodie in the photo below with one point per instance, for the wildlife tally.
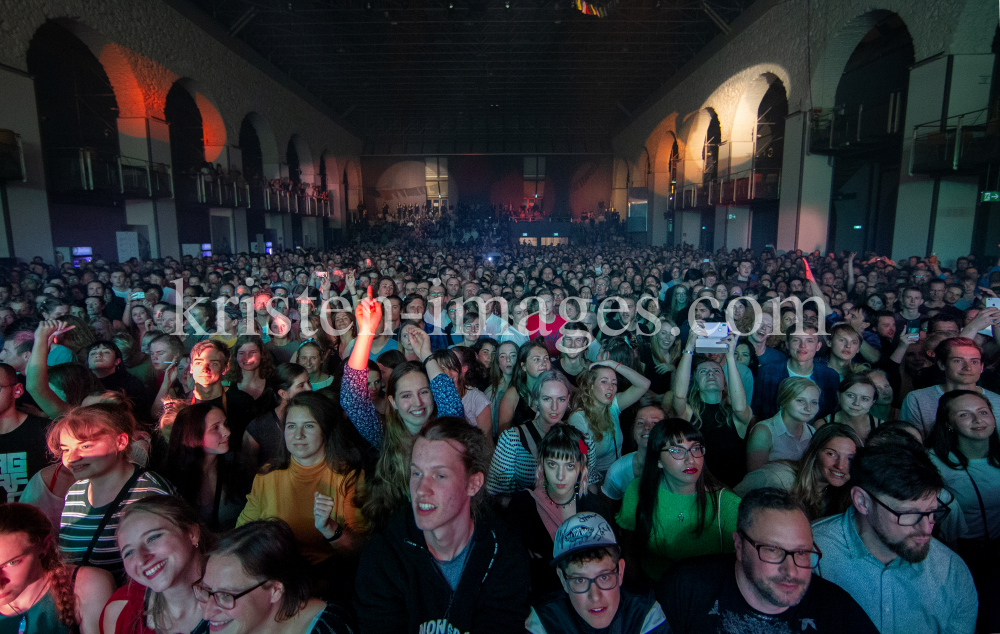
(401, 589)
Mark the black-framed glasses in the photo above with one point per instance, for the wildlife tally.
(225, 600)
(775, 555)
(680, 453)
(604, 581)
(912, 518)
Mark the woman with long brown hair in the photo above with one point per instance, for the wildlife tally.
(40, 592)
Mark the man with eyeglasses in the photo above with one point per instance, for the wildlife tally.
(590, 568)
(881, 550)
(770, 587)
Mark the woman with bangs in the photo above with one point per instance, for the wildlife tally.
(311, 355)
(676, 509)
(818, 480)
(560, 492)
(200, 464)
(164, 549)
(94, 444)
(417, 393)
(315, 485)
(40, 592)
(597, 406)
(514, 464)
(717, 407)
(532, 361)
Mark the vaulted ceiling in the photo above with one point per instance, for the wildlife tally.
(477, 75)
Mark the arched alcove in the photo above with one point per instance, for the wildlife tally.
(78, 122)
(304, 166)
(865, 132)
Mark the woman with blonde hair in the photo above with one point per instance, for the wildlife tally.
(660, 358)
(785, 435)
(94, 443)
(597, 406)
(40, 592)
(514, 464)
(164, 549)
(818, 478)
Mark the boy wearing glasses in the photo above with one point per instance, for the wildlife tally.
(769, 587)
(882, 552)
(590, 568)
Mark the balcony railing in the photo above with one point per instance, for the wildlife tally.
(834, 130)
(961, 143)
(74, 170)
(211, 191)
(276, 200)
(746, 185)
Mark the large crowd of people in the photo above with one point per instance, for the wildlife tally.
(472, 435)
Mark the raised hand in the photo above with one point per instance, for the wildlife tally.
(369, 315)
(421, 342)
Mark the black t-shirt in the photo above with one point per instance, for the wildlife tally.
(240, 409)
(23, 453)
(726, 454)
(658, 383)
(701, 595)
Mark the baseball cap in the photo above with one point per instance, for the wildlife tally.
(581, 532)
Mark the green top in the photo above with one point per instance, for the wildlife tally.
(41, 617)
(672, 538)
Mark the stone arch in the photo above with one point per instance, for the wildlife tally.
(213, 126)
(307, 167)
(743, 137)
(839, 50)
(115, 60)
(352, 184)
(270, 158)
(693, 152)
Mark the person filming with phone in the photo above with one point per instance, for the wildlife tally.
(704, 395)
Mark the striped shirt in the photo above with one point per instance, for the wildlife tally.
(513, 469)
(80, 520)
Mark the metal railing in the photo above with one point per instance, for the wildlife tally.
(963, 142)
(275, 200)
(837, 129)
(73, 169)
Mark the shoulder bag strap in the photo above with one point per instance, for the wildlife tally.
(529, 438)
(112, 509)
(982, 506)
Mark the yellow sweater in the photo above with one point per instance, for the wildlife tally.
(288, 494)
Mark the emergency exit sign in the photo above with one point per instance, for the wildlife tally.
(990, 197)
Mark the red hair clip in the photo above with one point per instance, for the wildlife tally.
(583, 447)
